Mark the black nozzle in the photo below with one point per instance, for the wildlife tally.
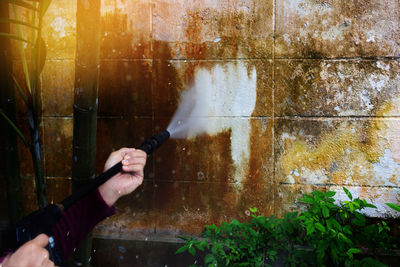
(151, 144)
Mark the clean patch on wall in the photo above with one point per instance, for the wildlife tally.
(221, 98)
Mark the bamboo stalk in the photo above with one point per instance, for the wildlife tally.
(11, 160)
(85, 104)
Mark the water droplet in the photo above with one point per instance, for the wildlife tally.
(137, 256)
(121, 249)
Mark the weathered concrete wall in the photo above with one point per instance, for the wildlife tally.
(303, 96)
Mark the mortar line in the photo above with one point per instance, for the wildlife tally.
(273, 109)
(153, 164)
(388, 58)
(355, 117)
(352, 185)
(365, 117)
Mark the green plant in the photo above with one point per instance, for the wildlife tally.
(393, 206)
(324, 234)
(32, 42)
(336, 232)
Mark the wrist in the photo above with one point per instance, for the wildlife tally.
(109, 196)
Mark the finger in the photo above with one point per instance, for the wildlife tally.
(136, 153)
(41, 240)
(121, 153)
(44, 258)
(136, 168)
(134, 161)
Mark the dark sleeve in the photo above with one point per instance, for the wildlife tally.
(79, 220)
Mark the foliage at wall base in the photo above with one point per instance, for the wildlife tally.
(325, 234)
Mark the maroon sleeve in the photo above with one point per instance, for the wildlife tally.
(79, 220)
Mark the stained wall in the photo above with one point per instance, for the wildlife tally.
(304, 96)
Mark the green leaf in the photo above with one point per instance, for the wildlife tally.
(19, 133)
(14, 21)
(345, 238)
(310, 229)
(44, 5)
(253, 210)
(192, 250)
(369, 205)
(208, 258)
(22, 4)
(15, 37)
(317, 193)
(307, 200)
(348, 193)
(325, 211)
(320, 227)
(41, 54)
(330, 194)
(353, 250)
(393, 206)
(21, 92)
(181, 249)
(22, 52)
(347, 230)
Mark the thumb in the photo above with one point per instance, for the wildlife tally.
(41, 240)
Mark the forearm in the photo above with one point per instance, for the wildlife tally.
(79, 220)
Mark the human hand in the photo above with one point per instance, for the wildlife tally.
(125, 182)
(30, 254)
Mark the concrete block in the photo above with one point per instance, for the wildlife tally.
(59, 30)
(125, 29)
(208, 30)
(125, 88)
(337, 88)
(57, 146)
(58, 88)
(362, 152)
(331, 29)
(288, 198)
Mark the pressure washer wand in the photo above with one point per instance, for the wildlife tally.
(43, 220)
(148, 146)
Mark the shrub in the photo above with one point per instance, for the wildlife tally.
(325, 234)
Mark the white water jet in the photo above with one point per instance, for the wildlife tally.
(221, 98)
